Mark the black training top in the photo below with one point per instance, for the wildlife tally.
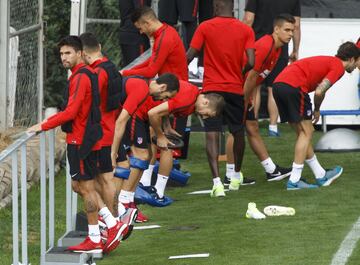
(129, 34)
(266, 10)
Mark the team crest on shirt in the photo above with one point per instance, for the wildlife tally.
(139, 140)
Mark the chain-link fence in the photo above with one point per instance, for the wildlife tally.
(24, 86)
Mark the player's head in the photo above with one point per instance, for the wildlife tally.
(91, 47)
(144, 19)
(209, 105)
(70, 48)
(223, 7)
(164, 87)
(349, 53)
(284, 25)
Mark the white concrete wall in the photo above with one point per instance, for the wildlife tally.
(323, 37)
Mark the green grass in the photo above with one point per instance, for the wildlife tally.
(323, 217)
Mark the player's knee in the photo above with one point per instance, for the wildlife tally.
(122, 172)
(139, 163)
(252, 129)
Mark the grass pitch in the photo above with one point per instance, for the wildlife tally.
(323, 216)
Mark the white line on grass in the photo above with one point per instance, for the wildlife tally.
(347, 246)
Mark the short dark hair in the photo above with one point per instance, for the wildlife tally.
(227, 3)
(279, 20)
(89, 41)
(347, 51)
(216, 102)
(72, 41)
(141, 12)
(171, 81)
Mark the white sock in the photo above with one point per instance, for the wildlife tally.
(217, 181)
(273, 127)
(161, 184)
(316, 168)
(107, 216)
(229, 170)
(236, 175)
(94, 233)
(124, 197)
(296, 172)
(121, 208)
(131, 196)
(268, 165)
(146, 176)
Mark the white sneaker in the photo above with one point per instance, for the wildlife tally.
(274, 210)
(253, 213)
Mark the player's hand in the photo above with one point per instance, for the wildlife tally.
(172, 132)
(121, 72)
(163, 142)
(294, 56)
(36, 128)
(316, 116)
(113, 159)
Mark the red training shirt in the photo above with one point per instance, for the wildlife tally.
(137, 91)
(108, 118)
(168, 56)
(266, 56)
(77, 109)
(225, 40)
(309, 72)
(182, 105)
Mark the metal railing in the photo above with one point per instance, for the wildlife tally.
(20, 145)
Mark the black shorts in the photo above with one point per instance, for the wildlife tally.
(104, 163)
(279, 66)
(250, 114)
(171, 10)
(179, 124)
(294, 105)
(233, 114)
(82, 169)
(122, 153)
(137, 133)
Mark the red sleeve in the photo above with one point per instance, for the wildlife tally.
(335, 73)
(197, 40)
(139, 66)
(137, 92)
(250, 40)
(158, 57)
(78, 87)
(262, 50)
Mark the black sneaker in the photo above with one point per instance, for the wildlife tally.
(278, 174)
(248, 181)
(226, 181)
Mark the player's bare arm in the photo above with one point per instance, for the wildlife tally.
(319, 97)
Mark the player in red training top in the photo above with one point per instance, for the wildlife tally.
(225, 40)
(77, 115)
(110, 86)
(168, 53)
(267, 52)
(186, 101)
(291, 89)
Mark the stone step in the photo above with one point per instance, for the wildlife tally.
(61, 256)
(74, 238)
